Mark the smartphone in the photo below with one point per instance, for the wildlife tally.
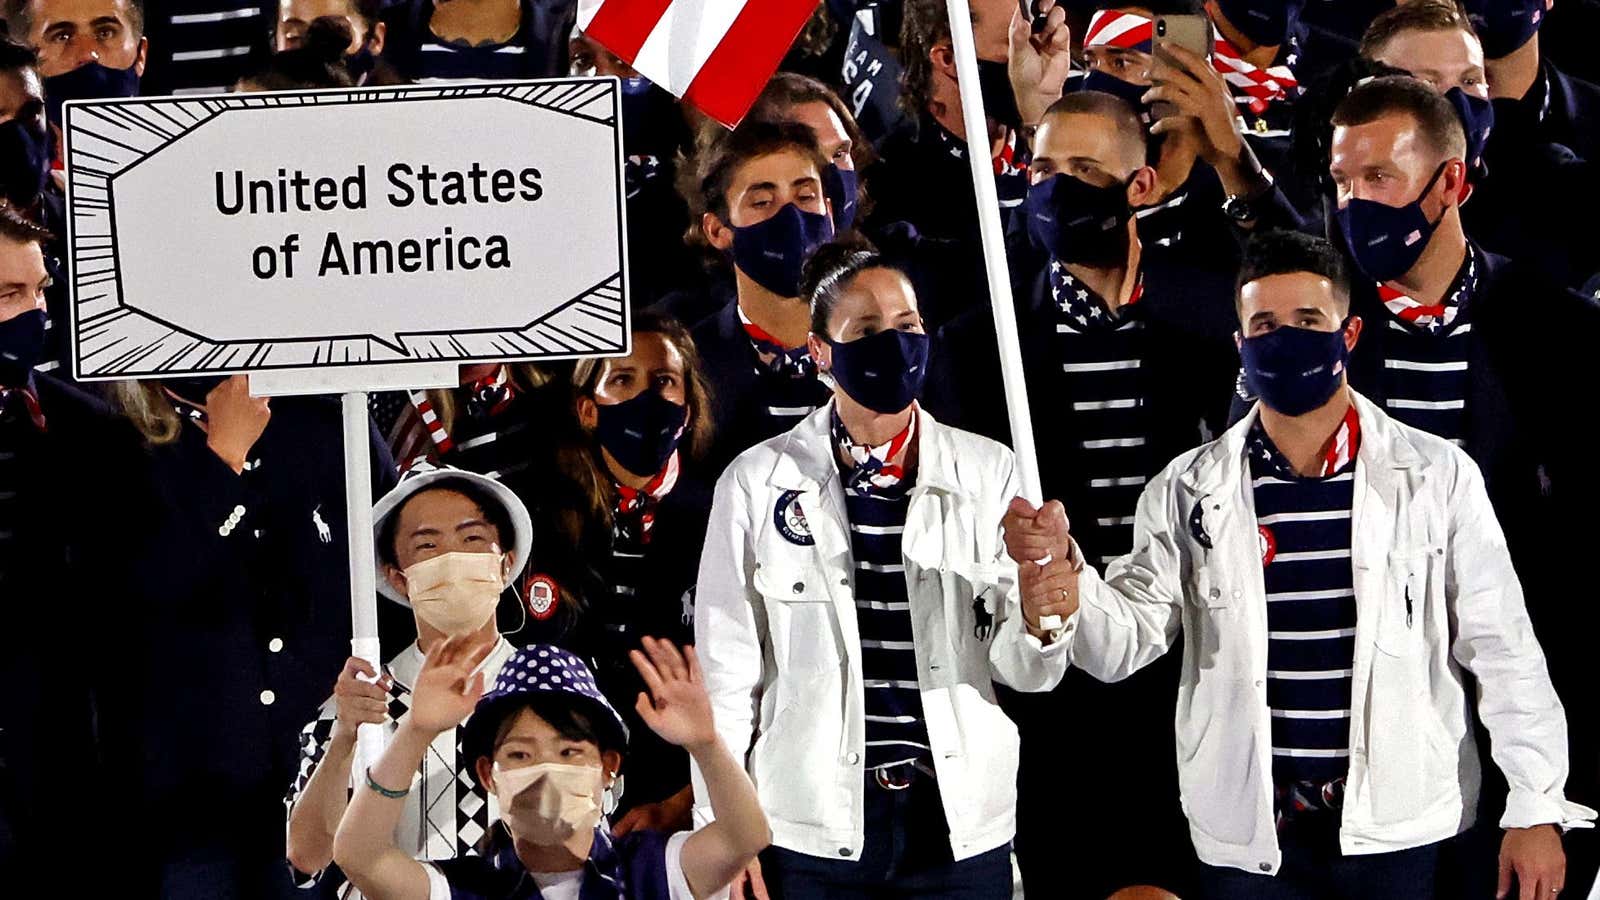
(1193, 33)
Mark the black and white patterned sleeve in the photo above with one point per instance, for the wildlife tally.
(314, 741)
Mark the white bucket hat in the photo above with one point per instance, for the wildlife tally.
(424, 475)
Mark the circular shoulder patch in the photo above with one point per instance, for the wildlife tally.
(791, 520)
(1269, 545)
(541, 594)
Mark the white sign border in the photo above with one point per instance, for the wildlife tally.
(595, 323)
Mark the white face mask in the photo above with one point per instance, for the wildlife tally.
(456, 592)
(550, 804)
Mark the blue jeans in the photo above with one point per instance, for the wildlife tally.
(1315, 869)
(906, 856)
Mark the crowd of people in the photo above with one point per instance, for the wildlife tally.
(1305, 322)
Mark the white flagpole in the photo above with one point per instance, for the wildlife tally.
(994, 258)
(994, 249)
(363, 566)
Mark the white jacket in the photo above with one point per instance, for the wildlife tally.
(775, 626)
(1421, 525)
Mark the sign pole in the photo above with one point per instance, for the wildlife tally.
(363, 559)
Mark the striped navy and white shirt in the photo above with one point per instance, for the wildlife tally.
(1304, 529)
(205, 46)
(1103, 383)
(1425, 380)
(876, 499)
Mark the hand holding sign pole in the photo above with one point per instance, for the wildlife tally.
(213, 236)
(994, 258)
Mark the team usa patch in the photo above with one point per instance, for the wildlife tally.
(791, 520)
(1269, 545)
(541, 593)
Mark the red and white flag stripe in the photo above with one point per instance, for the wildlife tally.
(715, 54)
(1258, 87)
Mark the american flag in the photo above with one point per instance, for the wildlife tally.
(409, 426)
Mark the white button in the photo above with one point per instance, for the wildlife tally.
(275, 645)
(1237, 593)
(238, 510)
(268, 698)
(853, 758)
(223, 529)
(1215, 593)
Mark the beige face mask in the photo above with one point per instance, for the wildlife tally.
(456, 592)
(550, 804)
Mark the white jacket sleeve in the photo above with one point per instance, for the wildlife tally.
(1128, 619)
(1017, 659)
(1494, 640)
(729, 625)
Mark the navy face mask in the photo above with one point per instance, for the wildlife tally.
(1294, 370)
(1076, 222)
(641, 433)
(88, 82)
(24, 161)
(884, 371)
(1505, 26)
(841, 187)
(21, 347)
(1116, 87)
(1477, 120)
(772, 252)
(1386, 241)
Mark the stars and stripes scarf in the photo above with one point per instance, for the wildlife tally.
(1010, 165)
(873, 472)
(634, 515)
(1434, 318)
(1083, 309)
(1340, 450)
(1253, 87)
(774, 357)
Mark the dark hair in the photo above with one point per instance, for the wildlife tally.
(787, 90)
(923, 24)
(1436, 119)
(18, 228)
(14, 56)
(1118, 112)
(751, 140)
(1284, 252)
(20, 17)
(1417, 15)
(317, 63)
(559, 712)
(496, 514)
(830, 269)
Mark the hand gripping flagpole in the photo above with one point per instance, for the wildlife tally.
(994, 257)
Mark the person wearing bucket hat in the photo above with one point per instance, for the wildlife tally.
(448, 543)
(547, 743)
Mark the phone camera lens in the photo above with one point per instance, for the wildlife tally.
(1161, 29)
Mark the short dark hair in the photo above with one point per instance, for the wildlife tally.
(830, 269)
(21, 17)
(1117, 111)
(559, 712)
(751, 140)
(19, 229)
(1436, 119)
(493, 511)
(1286, 252)
(317, 63)
(1416, 15)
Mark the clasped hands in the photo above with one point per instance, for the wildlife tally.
(1039, 539)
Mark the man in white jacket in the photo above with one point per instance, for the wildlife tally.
(855, 606)
(1333, 572)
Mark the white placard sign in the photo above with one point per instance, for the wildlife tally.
(328, 229)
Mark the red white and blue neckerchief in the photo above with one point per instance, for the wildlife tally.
(634, 514)
(1010, 165)
(1435, 318)
(21, 404)
(1253, 87)
(774, 357)
(1081, 308)
(1339, 452)
(1296, 798)
(490, 396)
(873, 471)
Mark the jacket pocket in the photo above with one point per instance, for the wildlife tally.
(801, 624)
(1399, 630)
